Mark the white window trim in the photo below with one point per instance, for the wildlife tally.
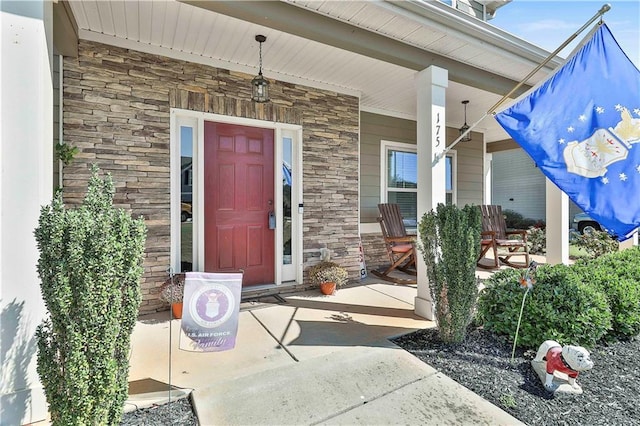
(454, 175)
(195, 119)
(385, 145)
(176, 122)
(384, 148)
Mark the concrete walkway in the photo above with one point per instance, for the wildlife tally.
(311, 359)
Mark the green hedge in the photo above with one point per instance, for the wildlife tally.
(617, 275)
(560, 307)
(566, 302)
(450, 244)
(515, 220)
(90, 267)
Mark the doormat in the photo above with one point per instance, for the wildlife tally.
(259, 302)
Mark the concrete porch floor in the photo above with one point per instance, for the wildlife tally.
(313, 359)
(305, 358)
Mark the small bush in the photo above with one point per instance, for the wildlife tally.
(596, 243)
(537, 239)
(450, 244)
(559, 307)
(617, 275)
(515, 220)
(90, 267)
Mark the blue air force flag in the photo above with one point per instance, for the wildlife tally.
(582, 128)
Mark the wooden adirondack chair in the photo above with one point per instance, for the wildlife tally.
(400, 247)
(495, 237)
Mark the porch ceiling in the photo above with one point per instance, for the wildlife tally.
(367, 49)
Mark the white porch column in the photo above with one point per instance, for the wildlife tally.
(557, 211)
(431, 85)
(488, 173)
(631, 242)
(26, 182)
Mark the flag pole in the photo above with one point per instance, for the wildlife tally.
(604, 9)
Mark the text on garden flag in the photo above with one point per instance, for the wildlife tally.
(211, 308)
(582, 128)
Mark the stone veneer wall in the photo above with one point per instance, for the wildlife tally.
(375, 255)
(116, 111)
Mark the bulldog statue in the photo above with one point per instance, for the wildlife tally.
(558, 366)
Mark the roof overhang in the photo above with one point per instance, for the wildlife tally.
(369, 49)
(310, 25)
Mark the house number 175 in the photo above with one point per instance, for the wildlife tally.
(438, 127)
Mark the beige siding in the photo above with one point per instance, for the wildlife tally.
(469, 168)
(376, 128)
(373, 129)
(520, 186)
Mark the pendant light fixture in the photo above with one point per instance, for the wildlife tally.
(259, 84)
(465, 127)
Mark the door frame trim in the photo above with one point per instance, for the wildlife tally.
(196, 119)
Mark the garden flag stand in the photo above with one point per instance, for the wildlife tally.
(211, 307)
(210, 311)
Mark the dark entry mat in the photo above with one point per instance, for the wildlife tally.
(258, 302)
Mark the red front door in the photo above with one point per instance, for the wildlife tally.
(238, 196)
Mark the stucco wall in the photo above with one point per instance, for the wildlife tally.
(26, 152)
(116, 110)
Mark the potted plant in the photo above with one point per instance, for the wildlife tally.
(328, 276)
(172, 292)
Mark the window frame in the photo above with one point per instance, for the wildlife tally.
(386, 146)
(453, 154)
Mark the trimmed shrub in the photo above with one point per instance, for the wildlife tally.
(450, 245)
(515, 220)
(560, 307)
(596, 243)
(90, 267)
(537, 239)
(617, 275)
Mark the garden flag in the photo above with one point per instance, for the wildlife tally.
(210, 312)
(582, 128)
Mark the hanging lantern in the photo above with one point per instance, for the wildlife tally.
(259, 84)
(465, 126)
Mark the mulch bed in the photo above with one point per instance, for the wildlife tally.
(482, 363)
(179, 412)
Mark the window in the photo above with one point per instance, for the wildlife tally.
(186, 198)
(449, 174)
(287, 181)
(402, 182)
(400, 185)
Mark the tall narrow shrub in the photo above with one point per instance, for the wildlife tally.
(450, 244)
(90, 267)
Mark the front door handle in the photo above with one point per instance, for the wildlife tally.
(272, 220)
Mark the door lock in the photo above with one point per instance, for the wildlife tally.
(272, 220)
